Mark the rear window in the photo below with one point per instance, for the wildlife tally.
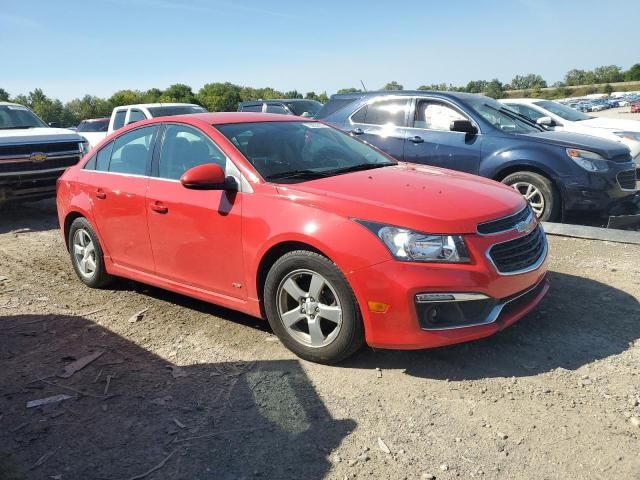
(333, 106)
(94, 125)
(175, 110)
(251, 108)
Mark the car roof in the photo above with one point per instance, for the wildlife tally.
(402, 93)
(290, 100)
(102, 119)
(11, 103)
(520, 100)
(221, 118)
(152, 105)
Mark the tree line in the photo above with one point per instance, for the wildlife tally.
(221, 97)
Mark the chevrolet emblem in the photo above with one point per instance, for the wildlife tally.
(525, 226)
(38, 157)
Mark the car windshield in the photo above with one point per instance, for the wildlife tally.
(17, 116)
(94, 125)
(502, 117)
(170, 110)
(563, 111)
(289, 152)
(306, 108)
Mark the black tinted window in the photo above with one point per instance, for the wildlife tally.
(360, 115)
(184, 148)
(94, 126)
(131, 151)
(118, 122)
(387, 112)
(136, 116)
(168, 111)
(273, 108)
(252, 108)
(332, 106)
(102, 159)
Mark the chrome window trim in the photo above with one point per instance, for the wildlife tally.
(493, 314)
(527, 220)
(530, 268)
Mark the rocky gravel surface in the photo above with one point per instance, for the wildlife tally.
(187, 390)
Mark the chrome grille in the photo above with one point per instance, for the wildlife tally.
(505, 223)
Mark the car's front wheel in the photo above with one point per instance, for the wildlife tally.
(86, 254)
(311, 307)
(539, 191)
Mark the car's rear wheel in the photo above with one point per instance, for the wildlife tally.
(86, 254)
(539, 191)
(311, 308)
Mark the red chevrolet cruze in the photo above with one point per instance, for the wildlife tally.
(334, 242)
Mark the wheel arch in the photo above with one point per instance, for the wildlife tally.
(68, 220)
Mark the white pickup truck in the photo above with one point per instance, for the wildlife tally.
(32, 154)
(128, 114)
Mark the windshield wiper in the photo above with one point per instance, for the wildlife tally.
(296, 174)
(360, 167)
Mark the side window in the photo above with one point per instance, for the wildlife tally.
(434, 115)
(526, 111)
(252, 108)
(136, 116)
(118, 122)
(131, 151)
(392, 111)
(185, 147)
(275, 108)
(103, 157)
(91, 164)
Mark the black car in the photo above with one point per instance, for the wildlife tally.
(555, 171)
(286, 106)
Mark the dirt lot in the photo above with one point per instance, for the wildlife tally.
(621, 112)
(199, 392)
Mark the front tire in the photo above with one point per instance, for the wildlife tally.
(539, 191)
(312, 309)
(86, 254)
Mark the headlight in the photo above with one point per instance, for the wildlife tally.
(588, 160)
(84, 148)
(407, 245)
(635, 136)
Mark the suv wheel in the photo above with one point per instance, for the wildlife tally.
(86, 254)
(539, 192)
(311, 308)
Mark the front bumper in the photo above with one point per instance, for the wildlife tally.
(404, 325)
(29, 186)
(598, 192)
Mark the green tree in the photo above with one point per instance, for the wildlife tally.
(126, 97)
(494, 89)
(152, 95)
(436, 87)
(323, 97)
(476, 86)
(633, 74)
(178, 93)
(293, 94)
(4, 95)
(608, 89)
(220, 97)
(89, 107)
(607, 74)
(529, 81)
(393, 85)
(349, 90)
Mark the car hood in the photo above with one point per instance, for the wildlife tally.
(607, 148)
(617, 124)
(422, 198)
(37, 135)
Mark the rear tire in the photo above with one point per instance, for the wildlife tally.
(312, 309)
(539, 191)
(86, 254)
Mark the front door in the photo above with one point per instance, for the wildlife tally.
(195, 234)
(430, 141)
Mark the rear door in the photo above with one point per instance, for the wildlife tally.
(195, 234)
(117, 188)
(430, 141)
(383, 123)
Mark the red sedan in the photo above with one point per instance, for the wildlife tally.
(334, 242)
(635, 107)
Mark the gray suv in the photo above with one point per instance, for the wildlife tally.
(286, 106)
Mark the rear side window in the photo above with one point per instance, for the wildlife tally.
(185, 147)
(252, 108)
(333, 106)
(131, 151)
(384, 112)
(102, 159)
(274, 108)
(118, 121)
(136, 116)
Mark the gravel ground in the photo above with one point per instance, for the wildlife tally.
(193, 391)
(621, 112)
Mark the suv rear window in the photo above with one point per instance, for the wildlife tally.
(175, 110)
(94, 125)
(333, 106)
(384, 112)
(251, 108)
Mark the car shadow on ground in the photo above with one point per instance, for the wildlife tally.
(131, 411)
(579, 321)
(28, 217)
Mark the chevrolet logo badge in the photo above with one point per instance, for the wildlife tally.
(38, 157)
(525, 227)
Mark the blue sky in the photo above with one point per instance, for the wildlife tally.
(71, 47)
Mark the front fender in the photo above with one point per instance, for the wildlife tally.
(548, 159)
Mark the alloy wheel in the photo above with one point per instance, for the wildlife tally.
(309, 308)
(533, 195)
(84, 253)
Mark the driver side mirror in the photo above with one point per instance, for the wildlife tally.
(546, 122)
(209, 176)
(464, 126)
